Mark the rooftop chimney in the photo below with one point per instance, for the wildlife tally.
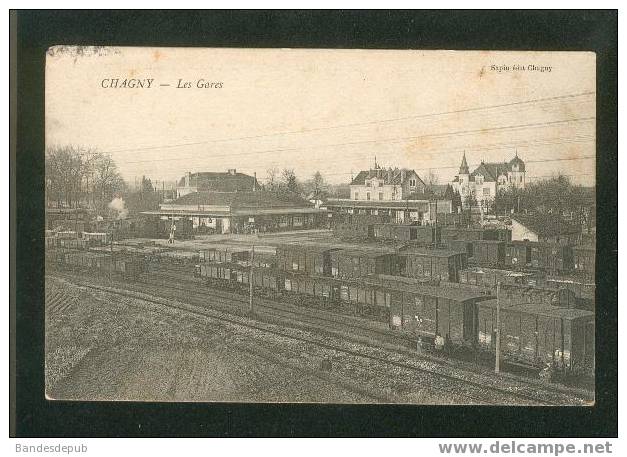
(232, 171)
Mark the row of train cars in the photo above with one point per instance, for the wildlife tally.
(430, 294)
(489, 247)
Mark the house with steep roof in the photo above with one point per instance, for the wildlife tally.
(386, 184)
(396, 194)
(488, 179)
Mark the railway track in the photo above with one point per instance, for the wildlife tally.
(482, 391)
(300, 315)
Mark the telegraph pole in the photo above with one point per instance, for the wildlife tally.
(250, 280)
(111, 250)
(497, 365)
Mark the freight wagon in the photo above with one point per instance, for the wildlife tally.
(441, 315)
(458, 233)
(533, 333)
(584, 258)
(307, 259)
(454, 219)
(497, 234)
(583, 290)
(489, 277)
(72, 243)
(425, 235)
(357, 226)
(437, 264)
(552, 258)
(364, 296)
(355, 263)
(224, 255)
(537, 334)
(127, 267)
(461, 246)
(488, 253)
(96, 238)
(51, 242)
(518, 254)
(269, 281)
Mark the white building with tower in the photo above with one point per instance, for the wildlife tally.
(489, 178)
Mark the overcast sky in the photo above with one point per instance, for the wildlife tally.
(327, 110)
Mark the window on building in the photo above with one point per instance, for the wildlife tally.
(479, 179)
(380, 195)
(520, 178)
(356, 195)
(367, 195)
(486, 191)
(380, 184)
(412, 183)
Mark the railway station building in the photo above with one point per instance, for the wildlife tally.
(241, 212)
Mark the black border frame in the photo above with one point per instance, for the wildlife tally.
(33, 416)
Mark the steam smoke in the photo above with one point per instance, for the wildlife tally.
(118, 205)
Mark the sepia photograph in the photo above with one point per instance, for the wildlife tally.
(334, 226)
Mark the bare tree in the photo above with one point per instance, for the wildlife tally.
(289, 180)
(65, 169)
(319, 184)
(272, 178)
(107, 180)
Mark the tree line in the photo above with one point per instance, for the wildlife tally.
(315, 187)
(77, 176)
(556, 195)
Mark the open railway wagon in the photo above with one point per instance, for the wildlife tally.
(490, 277)
(583, 290)
(127, 267)
(537, 335)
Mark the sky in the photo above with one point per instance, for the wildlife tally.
(331, 111)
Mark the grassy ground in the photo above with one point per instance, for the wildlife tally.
(103, 349)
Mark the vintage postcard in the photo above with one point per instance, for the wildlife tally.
(315, 225)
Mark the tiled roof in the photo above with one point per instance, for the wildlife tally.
(490, 171)
(258, 199)
(219, 179)
(388, 175)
